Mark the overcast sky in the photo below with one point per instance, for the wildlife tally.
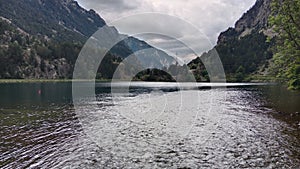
(209, 16)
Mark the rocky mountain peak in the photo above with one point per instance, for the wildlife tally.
(254, 19)
(244, 50)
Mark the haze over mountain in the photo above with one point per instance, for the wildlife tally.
(210, 17)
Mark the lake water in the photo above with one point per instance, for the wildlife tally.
(155, 125)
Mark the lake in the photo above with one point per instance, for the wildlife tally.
(153, 125)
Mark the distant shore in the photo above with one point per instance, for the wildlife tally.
(2, 81)
(48, 80)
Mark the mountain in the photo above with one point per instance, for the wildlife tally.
(255, 19)
(244, 49)
(149, 58)
(42, 39)
(62, 20)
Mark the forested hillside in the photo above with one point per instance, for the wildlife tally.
(264, 45)
(42, 39)
(244, 49)
(26, 56)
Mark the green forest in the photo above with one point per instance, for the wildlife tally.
(285, 20)
(260, 56)
(251, 57)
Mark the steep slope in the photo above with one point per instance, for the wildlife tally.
(244, 49)
(57, 20)
(26, 56)
(255, 19)
(151, 58)
(62, 20)
(53, 32)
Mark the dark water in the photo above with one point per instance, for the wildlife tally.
(242, 126)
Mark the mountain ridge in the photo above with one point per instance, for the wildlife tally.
(57, 29)
(243, 49)
(58, 19)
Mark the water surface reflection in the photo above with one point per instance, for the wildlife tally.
(255, 126)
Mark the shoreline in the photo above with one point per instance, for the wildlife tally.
(7, 81)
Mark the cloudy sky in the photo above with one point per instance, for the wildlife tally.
(209, 17)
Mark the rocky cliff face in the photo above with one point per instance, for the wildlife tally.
(255, 19)
(244, 50)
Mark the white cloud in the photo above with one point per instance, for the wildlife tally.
(211, 17)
